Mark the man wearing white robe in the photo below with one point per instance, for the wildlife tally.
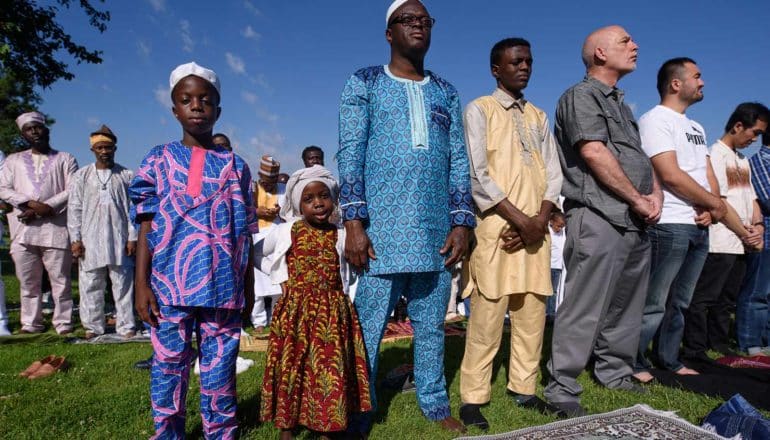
(103, 237)
(35, 183)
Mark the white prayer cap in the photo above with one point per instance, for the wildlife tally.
(395, 5)
(26, 118)
(297, 183)
(184, 70)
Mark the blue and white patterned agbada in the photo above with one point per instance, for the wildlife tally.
(404, 172)
(403, 167)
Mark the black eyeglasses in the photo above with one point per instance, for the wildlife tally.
(414, 21)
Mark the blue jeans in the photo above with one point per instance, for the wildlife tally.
(751, 315)
(678, 254)
(550, 305)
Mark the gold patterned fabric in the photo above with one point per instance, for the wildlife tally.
(316, 372)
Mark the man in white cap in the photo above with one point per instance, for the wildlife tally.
(405, 198)
(35, 183)
(268, 197)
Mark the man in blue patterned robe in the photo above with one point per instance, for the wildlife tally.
(405, 198)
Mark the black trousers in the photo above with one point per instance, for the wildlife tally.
(707, 320)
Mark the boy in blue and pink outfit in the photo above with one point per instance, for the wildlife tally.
(194, 203)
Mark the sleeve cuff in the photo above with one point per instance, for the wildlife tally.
(355, 211)
(461, 208)
(463, 218)
(352, 202)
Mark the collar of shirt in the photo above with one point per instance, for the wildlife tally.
(723, 145)
(508, 101)
(607, 91)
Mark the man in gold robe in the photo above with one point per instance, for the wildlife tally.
(516, 179)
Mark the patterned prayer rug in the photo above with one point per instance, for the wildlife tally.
(636, 422)
(756, 361)
(398, 330)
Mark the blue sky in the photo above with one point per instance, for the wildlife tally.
(283, 64)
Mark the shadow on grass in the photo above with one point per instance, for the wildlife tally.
(248, 413)
(395, 354)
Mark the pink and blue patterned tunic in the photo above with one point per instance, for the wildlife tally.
(403, 167)
(201, 224)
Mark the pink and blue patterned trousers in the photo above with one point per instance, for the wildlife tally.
(218, 332)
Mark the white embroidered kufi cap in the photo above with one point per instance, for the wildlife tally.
(395, 5)
(184, 70)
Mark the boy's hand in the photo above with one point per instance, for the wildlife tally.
(146, 305)
(131, 248)
(512, 241)
(78, 250)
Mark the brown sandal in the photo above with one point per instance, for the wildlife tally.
(58, 364)
(34, 366)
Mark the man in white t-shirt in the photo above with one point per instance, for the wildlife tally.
(707, 321)
(678, 151)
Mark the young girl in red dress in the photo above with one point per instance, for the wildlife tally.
(316, 373)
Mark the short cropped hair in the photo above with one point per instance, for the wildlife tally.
(307, 151)
(670, 70)
(503, 45)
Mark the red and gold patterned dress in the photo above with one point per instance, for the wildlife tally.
(316, 372)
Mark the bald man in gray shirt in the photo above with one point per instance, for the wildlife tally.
(611, 195)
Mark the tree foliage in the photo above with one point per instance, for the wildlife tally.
(32, 43)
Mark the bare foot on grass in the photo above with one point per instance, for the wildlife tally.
(644, 377)
(684, 371)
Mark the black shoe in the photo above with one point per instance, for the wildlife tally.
(533, 402)
(567, 410)
(145, 364)
(629, 385)
(470, 414)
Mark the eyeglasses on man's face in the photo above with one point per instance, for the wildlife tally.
(414, 21)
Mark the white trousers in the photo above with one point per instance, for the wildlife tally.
(92, 285)
(30, 261)
(260, 316)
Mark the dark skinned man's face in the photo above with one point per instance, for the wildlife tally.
(105, 154)
(409, 38)
(513, 69)
(222, 142)
(313, 158)
(268, 183)
(36, 135)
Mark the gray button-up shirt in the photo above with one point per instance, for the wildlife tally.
(594, 111)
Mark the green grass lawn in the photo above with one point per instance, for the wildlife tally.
(101, 396)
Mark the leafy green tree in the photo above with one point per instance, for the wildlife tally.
(32, 43)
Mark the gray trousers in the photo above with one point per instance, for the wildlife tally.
(601, 313)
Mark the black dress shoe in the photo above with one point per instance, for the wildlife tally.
(569, 409)
(145, 364)
(470, 414)
(534, 402)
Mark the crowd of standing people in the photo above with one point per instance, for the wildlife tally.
(663, 238)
